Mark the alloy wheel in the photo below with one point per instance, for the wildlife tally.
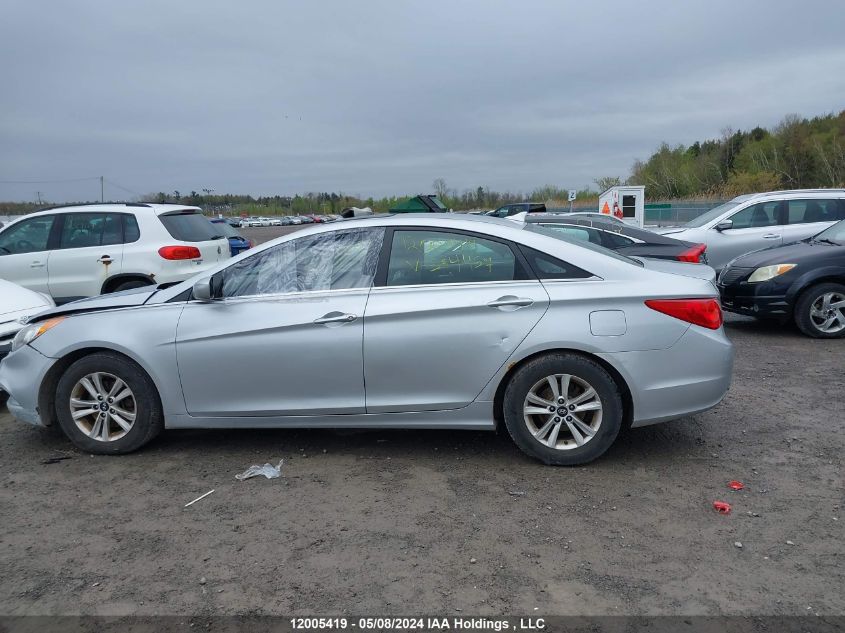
(103, 406)
(562, 411)
(827, 312)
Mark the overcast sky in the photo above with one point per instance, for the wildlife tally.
(379, 98)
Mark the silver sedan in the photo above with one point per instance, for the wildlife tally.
(416, 321)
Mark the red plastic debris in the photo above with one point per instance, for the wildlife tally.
(735, 485)
(722, 507)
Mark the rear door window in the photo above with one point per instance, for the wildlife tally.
(435, 257)
(189, 226)
(815, 210)
(81, 230)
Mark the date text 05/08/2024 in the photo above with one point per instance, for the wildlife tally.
(420, 624)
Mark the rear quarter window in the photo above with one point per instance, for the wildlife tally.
(189, 227)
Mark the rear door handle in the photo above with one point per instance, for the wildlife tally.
(771, 236)
(511, 301)
(105, 259)
(335, 317)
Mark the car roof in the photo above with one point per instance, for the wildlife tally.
(105, 207)
(812, 193)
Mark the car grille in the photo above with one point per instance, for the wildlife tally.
(732, 275)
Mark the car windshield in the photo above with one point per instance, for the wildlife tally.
(223, 228)
(835, 233)
(714, 213)
(563, 237)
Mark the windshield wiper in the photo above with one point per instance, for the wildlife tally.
(217, 237)
(827, 241)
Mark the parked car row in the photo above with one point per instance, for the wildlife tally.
(560, 328)
(237, 243)
(284, 220)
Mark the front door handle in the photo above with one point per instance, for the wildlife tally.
(771, 236)
(335, 317)
(105, 259)
(510, 301)
(37, 265)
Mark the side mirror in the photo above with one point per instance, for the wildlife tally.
(724, 225)
(202, 290)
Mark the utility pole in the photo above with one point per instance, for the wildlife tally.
(102, 197)
(38, 193)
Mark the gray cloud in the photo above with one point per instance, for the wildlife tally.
(380, 98)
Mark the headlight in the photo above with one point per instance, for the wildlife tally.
(769, 272)
(32, 332)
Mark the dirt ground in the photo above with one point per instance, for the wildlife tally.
(450, 522)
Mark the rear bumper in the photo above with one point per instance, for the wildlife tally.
(690, 377)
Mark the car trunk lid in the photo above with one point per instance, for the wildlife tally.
(686, 269)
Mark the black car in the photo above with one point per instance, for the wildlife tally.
(518, 207)
(803, 281)
(620, 237)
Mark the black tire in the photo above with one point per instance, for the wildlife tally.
(579, 367)
(149, 420)
(129, 285)
(804, 305)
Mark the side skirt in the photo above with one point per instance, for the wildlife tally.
(478, 416)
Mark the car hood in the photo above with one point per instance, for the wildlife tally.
(686, 269)
(123, 299)
(804, 252)
(17, 299)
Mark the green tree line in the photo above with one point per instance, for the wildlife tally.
(795, 154)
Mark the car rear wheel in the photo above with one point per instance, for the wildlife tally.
(820, 311)
(106, 404)
(563, 409)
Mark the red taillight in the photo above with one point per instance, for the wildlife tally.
(179, 252)
(693, 254)
(704, 312)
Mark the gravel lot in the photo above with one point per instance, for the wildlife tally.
(437, 521)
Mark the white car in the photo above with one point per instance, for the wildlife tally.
(86, 250)
(275, 222)
(18, 302)
(761, 220)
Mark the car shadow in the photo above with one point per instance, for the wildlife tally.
(750, 325)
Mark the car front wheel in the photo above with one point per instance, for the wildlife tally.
(107, 404)
(563, 409)
(820, 311)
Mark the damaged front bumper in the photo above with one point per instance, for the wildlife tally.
(21, 375)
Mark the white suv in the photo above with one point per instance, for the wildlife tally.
(87, 250)
(761, 220)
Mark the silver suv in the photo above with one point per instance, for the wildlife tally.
(761, 220)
